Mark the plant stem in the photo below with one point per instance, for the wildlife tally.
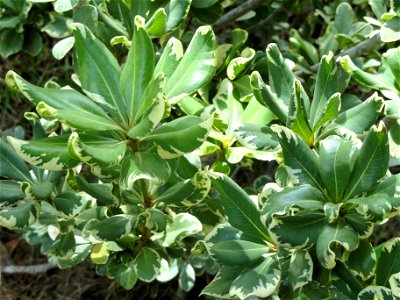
(237, 12)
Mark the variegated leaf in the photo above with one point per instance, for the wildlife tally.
(182, 225)
(362, 261)
(100, 191)
(332, 236)
(99, 73)
(371, 163)
(389, 262)
(100, 253)
(22, 215)
(300, 269)
(375, 292)
(80, 254)
(187, 277)
(110, 229)
(259, 280)
(239, 209)
(222, 282)
(302, 160)
(103, 149)
(394, 282)
(68, 204)
(256, 113)
(138, 69)
(235, 155)
(169, 58)
(48, 153)
(64, 245)
(147, 264)
(143, 165)
(180, 136)
(195, 68)
(237, 65)
(257, 137)
(124, 274)
(373, 208)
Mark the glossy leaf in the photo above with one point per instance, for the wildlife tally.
(298, 157)
(239, 209)
(237, 65)
(99, 73)
(180, 136)
(335, 162)
(300, 269)
(363, 260)
(331, 237)
(64, 245)
(20, 216)
(195, 68)
(143, 165)
(389, 262)
(68, 204)
(221, 284)
(372, 292)
(11, 165)
(371, 163)
(256, 137)
(110, 229)
(187, 277)
(48, 153)
(147, 264)
(124, 274)
(237, 252)
(10, 192)
(260, 280)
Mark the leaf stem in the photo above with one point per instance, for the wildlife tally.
(343, 271)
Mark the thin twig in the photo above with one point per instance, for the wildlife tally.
(237, 12)
(34, 269)
(355, 51)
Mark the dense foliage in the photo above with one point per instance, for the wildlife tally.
(131, 163)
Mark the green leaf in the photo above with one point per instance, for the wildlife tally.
(304, 197)
(375, 292)
(11, 165)
(101, 192)
(344, 18)
(80, 254)
(389, 186)
(98, 149)
(182, 225)
(147, 264)
(256, 137)
(239, 37)
(61, 48)
(48, 153)
(22, 215)
(195, 68)
(66, 100)
(331, 237)
(176, 11)
(297, 118)
(138, 69)
(280, 76)
(157, 24)
(358, 222)
(124, 274)
(390, 30)
(266, 97)
(371, 163)
(99, 73)
(335, 162)
(255, 113)
(11, 192)
(389, 262)
(221, 283)
(237, 252)
(300, 269)
(235, 155)
(170, 58)
(99, 254)
(297, 156)
(14, 42)
(362, 261)
(180, 136)
(356, 119)
(187, 277)
(110, 229)
(61, 6)
(394, 282)
(64, 245)
(374, 208)
(143, 165)
(261, 280)
(237, 65)
(68, 204)
(239, 209)
(330, 112)
(330, 80)
(306, 224)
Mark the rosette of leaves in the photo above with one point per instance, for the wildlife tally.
(118, 125)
